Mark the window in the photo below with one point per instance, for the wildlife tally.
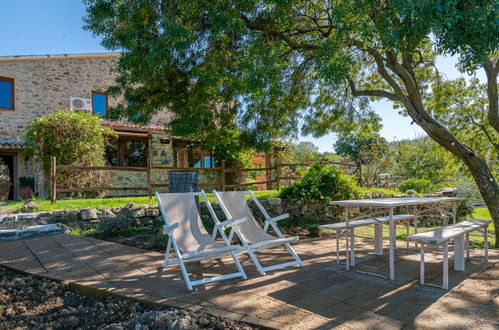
(127, 151)
(6, 93)
(99, 103)
(192, 155)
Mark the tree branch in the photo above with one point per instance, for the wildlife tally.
(372, 92)
(491, 72)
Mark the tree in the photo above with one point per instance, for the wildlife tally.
(304, 152)
(424, 159)
(372, 151)
(268, 64)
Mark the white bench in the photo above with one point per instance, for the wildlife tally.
(350, 226)
(459, 232)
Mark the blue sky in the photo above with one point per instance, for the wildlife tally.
(55, 27)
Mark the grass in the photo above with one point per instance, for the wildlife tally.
(476, 238)
(76, 204)
(365, 190)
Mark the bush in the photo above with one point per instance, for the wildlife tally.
(470, 192)
(321, 182)
(74, 138)
(314, 230)
(421, 186)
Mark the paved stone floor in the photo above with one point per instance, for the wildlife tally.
(320, 295)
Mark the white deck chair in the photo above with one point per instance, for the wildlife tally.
(190, 240)
(251, 235)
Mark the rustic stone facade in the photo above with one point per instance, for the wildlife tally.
(44, 84)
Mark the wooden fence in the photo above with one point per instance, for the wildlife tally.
(150, 185)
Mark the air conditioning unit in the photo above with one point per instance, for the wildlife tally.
(79, 103)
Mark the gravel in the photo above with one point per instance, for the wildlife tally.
(30, 302)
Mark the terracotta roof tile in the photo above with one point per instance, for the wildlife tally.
(126, 126)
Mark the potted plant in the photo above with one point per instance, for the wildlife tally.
(5, 182)
(26, 187)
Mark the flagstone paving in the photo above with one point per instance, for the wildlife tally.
(320, 295)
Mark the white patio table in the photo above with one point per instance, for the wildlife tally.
(388, 205)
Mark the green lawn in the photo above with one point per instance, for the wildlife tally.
(46, 205)
(476, 238)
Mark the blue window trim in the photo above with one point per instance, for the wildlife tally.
(101, 93)
(12, 93)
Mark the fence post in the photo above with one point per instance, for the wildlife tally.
(222, 176)
(277, 171)
(359, 167)
(149, 189)
(53, 179)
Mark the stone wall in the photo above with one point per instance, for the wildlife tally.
(44, 85)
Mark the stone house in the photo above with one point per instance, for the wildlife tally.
(36, 85)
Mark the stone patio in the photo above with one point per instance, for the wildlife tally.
(320, 295)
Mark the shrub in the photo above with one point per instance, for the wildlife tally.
(74, 138)
(421, 186)
(321, 182)
(470, 192)
(314, 230)
(411, 192)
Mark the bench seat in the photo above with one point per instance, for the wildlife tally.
(365, 222)
(443, 234)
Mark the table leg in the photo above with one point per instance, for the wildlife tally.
(392, 244)
(467, 245)
(347, 243)
(486, 244)
(352, 247)
(338, 246)
(459, 253)
(421, 266)
(415, 223)
(378, 239)
(407, 234)
(446, 266)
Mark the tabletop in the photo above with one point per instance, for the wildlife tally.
(394, 202)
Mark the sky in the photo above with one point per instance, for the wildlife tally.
(34, 27)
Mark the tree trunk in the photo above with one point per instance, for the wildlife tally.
(476, 164)
(488, 189)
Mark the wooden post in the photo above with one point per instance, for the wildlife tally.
(277, 171)
(149, 188)
(222, 176)
(53, 179)
(359, 167)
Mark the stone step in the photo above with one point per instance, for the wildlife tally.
(31, 231)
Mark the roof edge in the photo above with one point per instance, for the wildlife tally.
(55, 56)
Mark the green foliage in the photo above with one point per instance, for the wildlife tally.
(27, 181)
(423, 158)
(362, 148)
(314, 230)
(421, 186)
(371, 150)
(74, 138)
(321, 182)
(411, 192)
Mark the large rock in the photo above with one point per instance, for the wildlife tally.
(114, 225)
(89, 214)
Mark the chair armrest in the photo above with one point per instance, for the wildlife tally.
(168, 229)
(232, 222)
(280, 217)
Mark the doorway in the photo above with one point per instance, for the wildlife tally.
(10, 161)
